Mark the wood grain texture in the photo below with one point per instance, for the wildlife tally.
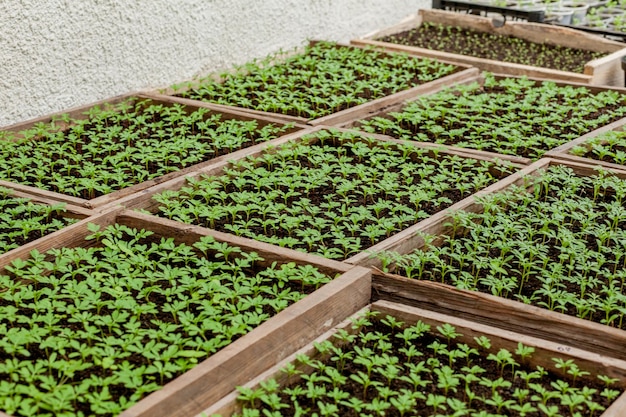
(70, 236)
(602, 71)
(251, 354)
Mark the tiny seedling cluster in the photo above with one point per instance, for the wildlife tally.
(558, 246)
(91, 330)
(492, 46)
(384, 366)
(324, 79)
(334, 194)
(511, 116)
(119, 146)
(22, 220)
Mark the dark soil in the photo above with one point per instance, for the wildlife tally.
(457, 40)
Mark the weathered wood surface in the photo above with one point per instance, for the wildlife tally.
(228, 113)
(544, 352)
(188, 234)
(70, 210)
(488, 309)
(411, 238)
(77, 112)
(602, 71)
(70, 236)
(337, 118)
(143, 199)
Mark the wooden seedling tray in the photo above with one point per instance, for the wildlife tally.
(480, 80)
(144, 200)
(486, 308)
(564, 151)
(602, 71)
(459, 76)
(80, 113)
(500, 339)
(252, 353)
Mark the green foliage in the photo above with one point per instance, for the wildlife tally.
(22, 220)
(323, 79)
(512, 116)
(494, 46)
(122, 145)
(374, 382)
(91, 331)
(556, 245)
(335, 194)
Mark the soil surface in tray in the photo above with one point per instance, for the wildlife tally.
(411, 370)
(457, 40)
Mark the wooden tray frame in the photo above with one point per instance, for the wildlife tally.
(544, 351)
(254, 352)
(336, 119)
(78, 113)
(486, 308)
(143, 200)
(606, 70)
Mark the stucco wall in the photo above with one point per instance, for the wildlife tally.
(57, 54)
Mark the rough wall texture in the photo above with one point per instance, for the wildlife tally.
(57, 54)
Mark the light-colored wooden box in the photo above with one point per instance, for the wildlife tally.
(486, 308)
(501, 339)
(79, 113)
(606, 70)
(462, 73)
(254, 352)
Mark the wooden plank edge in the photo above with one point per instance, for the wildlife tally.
(617, 409)
(74, 112)
(240, 113)
(272, 341)
(115, 197)
(530, 31)
(70, 209)
(502, 313)
(45, 194)
(614, 126)
(141, 199)
(509, 340)
(591, 362)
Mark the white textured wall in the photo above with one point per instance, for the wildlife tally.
(57, 54)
